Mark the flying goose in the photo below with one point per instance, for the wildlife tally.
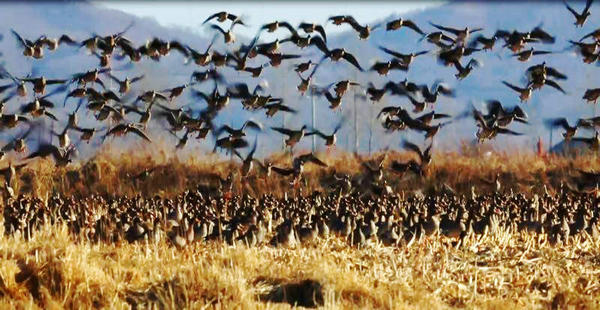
(464, 71)
(406, 59)
(592, 95)
(294, 136)
(125, 85)
(570, 131)
(62, 157)
(462, 35)
(123, 129)
(526, 55)
(399, 23)
(238, 133)
(329, 139)
(524, 93)
(223, 16)
(247, 162)
(580, 19)
(273, 26)
(339, 53)
(312, 27)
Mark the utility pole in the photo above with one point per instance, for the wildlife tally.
(355, 125)
(312, 98)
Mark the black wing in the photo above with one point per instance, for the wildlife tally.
(351, 59)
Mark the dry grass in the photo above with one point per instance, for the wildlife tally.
(501, 270)
(111, 172)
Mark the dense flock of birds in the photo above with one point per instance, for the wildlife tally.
(192, 216)
(195, 216)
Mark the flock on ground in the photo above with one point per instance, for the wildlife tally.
(128, 111)
(208, 215)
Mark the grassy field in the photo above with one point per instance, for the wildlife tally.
(501, 269)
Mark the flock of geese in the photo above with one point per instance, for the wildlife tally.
(127, 111)
(194, 216)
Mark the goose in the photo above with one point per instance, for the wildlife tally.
(586, 49)
(38, 106)
(424, 155)
(123, 129)
(228, 36)
(62, 157)
(339, 53)
(580, 19)
(437, 88)
(570, 131)
(437, 38)
(202, 59)
(30, 48)
(273, 26)
(383, 68)
(487, 44)
(526, 55)
(39, 84)
(428, 117)
(12, 120)
(125, 85)
(341, 87)
(449, 57)
(487, 131)
(312, 27)
(462, 35)
(330, 140)
(305, 83)
(230, 143)
(176, 91)
(363, 31)
(592, 95)
(92, 76)
(53, 44)
(248, 161)
(294, 136)
(87, 133)
(397, 24)
(222, 17)
(145, 115)
(150, 96)
(165, 47)
(334, 101)
(241, 56)
(524, 93)
(503, 116)
(464, 71)
(18, 144)
(256, 71)
(406, 59)
(273, 108)
(298, 166)
(376, 94)
(276, 59)
(211, 74)
(239, 133)
(338, 19)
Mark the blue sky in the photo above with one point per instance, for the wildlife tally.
(257, 13)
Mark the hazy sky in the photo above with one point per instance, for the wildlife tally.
(257, 13)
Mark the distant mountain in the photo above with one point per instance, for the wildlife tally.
(81, 19)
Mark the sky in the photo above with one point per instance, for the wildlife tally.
(256, 13)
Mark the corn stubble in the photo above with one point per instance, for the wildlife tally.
(501, 269)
